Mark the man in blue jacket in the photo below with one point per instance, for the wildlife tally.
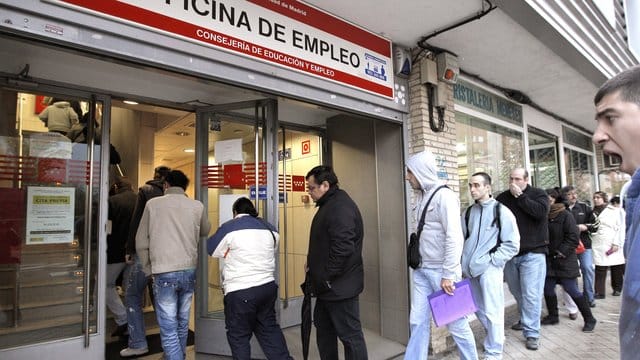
(618, 131)
(491, 239)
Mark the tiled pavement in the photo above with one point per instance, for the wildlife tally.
(557, 342)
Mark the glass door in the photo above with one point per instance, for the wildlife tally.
(50, 225)
(543, 155)
(235, 155)
(299, 150)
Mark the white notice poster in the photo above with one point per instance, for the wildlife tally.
(228, 151)
(50, 215)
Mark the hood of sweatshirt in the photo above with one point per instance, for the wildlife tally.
(424, 168)
(62, 104)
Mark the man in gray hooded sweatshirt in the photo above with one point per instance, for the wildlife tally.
(441, 243)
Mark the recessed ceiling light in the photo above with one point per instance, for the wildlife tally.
(130, 102)
(189, 150)
(182, 133)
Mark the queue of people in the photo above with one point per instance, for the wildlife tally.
(526, 236)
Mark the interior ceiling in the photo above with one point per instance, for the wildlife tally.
(494, 47)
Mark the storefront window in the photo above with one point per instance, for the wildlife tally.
(543, 156)
(580, 173)
(579, 163)
(487, 147)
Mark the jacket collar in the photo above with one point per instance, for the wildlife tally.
(329, 194)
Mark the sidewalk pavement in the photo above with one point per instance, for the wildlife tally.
(563, 341)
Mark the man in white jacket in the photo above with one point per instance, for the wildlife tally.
(167, 244)
(441, 243)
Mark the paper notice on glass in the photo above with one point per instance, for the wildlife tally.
(50, 215)
(447, 308)
(50, 145)
(228, 150)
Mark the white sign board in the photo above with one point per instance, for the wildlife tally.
(50, 213)
(290, 33)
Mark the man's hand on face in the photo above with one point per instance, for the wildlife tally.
(515, 190)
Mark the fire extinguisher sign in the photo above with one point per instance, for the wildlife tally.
(306, 147)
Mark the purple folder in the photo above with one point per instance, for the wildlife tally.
(447, 308)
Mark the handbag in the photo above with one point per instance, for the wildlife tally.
(580, 249)
(414, 259)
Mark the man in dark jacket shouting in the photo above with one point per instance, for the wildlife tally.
(334, 266)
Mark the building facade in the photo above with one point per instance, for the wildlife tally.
(245, 97)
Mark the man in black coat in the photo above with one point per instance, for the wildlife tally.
(586, 222)
(525, 273)
(136, 281)
(334, 266)
(122, 200)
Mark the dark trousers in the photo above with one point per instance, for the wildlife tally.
(339, 319)
(617, 274)
(569, 285)
(252, 311)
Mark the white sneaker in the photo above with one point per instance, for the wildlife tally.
(128, 352)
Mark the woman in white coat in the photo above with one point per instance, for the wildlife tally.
(607, 245)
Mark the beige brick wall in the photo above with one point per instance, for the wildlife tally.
(420, 135)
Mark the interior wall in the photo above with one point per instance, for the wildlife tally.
(353, 160)
(125, 123)
(394, 292)
(367, 157)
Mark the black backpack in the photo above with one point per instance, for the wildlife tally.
(496, 222)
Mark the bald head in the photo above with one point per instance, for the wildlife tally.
(519, 177)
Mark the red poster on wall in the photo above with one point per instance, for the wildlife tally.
(40, 105)
(234, 176)
(306, 147)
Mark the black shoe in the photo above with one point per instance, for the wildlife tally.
(517, 326)
(599, 296)
(121, 330)
(589, 326)
(616, 293)
(532, 343)
(550, 320)
(573, 316)
(592, 303)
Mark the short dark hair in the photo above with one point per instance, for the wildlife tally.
(244, 206)
(485, 176)
(160, 172)
(615, 200)
(627, 82)
(565, 190)
(557, 194)
(603, 195)
(323, 173)
(177, 178)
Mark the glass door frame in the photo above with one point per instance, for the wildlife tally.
(210, 332)
(91, 344)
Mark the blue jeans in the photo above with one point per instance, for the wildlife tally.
(488, 293)
(426, 282)
(134, 284)
(586, 268)
(525, 276)
(173, 292)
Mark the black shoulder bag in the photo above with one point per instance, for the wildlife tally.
(414, 259)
